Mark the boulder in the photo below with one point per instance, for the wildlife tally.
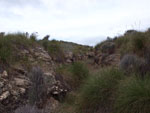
(21, 82)
(4, 74)
(4, 95)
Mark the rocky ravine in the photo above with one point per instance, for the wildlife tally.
(14, 80)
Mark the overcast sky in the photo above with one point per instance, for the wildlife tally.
(81, 21)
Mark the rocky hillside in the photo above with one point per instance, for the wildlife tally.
(19, 53)
(43, 76)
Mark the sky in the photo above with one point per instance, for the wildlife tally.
(81, 21)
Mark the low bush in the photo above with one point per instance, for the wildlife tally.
(37, 90)
(80, 71)
(54, 49)
(97, 94)
(74, 74)
(133, 96)
(133, 64)
(135, 42)
(5, 49)
(10, 44)
(138, 41)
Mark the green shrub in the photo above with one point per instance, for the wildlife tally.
(5, 49)
(45, 44)
(133, 43)
(97, 93)
(33, 37)
(19, 39)
(138, 41)
(133, 96)
(74, 74)
(55, 51)
(10, 44)
(79, 72)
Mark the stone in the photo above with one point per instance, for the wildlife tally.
(1, 84)
(14, 93)
(69, 61)
(4, 74)
(22, 90)
(4, 96)
(21, 82)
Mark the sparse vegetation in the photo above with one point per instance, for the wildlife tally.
(37, 90)
(74, 74)
(133, 96)
(91, 88)
(9, 45)
(133, 64)
(97, 94)
(54, 49)
(135, 42)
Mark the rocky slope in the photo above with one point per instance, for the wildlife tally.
(15, 82)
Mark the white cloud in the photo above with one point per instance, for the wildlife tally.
(74, 20)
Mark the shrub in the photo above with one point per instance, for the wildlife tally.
(131, 63)
(45, 44)
(133, 96)
(33, 37)
(55, 51)
(79, 72)
(134, 42)
(138, 41)
(5, 49)
(10, 44)
(37, 90)
(108, 47)
(74, 74)
(97, 93)
(19, 39)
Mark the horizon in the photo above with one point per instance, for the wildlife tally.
(86, 22)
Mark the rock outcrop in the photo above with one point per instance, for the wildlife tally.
(14, 83)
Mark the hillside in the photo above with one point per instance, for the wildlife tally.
(50, 76)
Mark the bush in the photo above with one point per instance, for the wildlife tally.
(79, 73)
(55, 50)
(74, 74)
(97, 93)
(33, 37)
(108, 47)
(10, 44)
(134, 42)
(138, 41)
(5, 49)
(133, 96)
(37, 90)
(131, 63)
